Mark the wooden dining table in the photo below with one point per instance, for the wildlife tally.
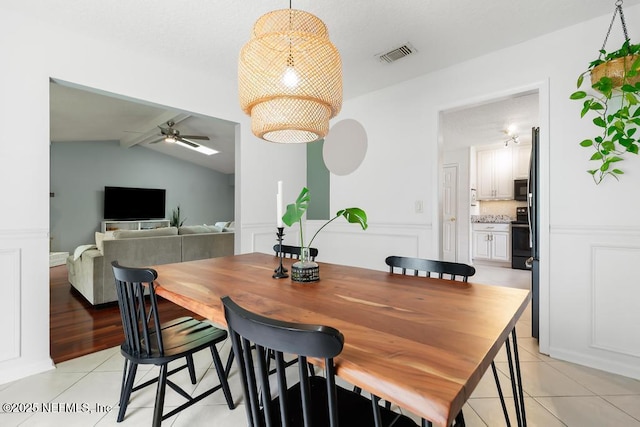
(421, 343)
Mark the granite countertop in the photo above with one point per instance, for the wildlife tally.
(503, 219)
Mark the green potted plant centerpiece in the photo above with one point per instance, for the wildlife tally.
(614, 106)
(306, 270)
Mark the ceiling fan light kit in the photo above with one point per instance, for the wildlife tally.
(172, 136)
(290, 77)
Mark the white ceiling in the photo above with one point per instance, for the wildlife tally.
(488, 123)
(209, 34)
(81, 115)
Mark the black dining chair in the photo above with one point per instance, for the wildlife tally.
(313, 400)
(446, 270)
(429, 267)
(293, 251)
(148, 341)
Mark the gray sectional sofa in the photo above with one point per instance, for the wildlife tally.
(90, 267)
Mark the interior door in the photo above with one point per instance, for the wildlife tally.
(449, 213)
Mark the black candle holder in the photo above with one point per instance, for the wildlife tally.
(280, 272)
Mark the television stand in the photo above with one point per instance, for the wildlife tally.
(147, 224)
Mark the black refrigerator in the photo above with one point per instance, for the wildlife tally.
(534, 227)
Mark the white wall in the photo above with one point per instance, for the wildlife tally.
(585, 227)
(81, 170)
(36, 51)
(581, 281)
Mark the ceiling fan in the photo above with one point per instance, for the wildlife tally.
(171, 135)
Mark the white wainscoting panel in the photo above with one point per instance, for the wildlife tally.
(594, 311)
(262, 237)
(24, 303)
(10, 304)
(616, 293)
(347, 244)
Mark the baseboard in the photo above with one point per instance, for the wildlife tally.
(15, 370)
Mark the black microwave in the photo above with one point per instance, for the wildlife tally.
(520, 189)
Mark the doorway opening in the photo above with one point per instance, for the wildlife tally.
(100, 139)
(495, 130)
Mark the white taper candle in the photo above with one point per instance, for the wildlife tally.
(279, 206)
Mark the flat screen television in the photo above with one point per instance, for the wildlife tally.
(126, 203)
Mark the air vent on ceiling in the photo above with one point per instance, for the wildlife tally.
(397, 53)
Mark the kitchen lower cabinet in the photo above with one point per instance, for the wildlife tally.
(491, 242)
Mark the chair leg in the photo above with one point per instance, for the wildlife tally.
(227, 367)
(127, 386)
(377, 418)
(222, 375)
(192, 369)
(162, 386)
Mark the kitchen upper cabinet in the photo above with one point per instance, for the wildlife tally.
(495, 174)
(491, 242)
(521, 156)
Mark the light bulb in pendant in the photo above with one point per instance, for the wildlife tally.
(290, 78)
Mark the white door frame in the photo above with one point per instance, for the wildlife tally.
(542, 87)
(450, 213)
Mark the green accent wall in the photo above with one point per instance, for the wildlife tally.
(317, 182)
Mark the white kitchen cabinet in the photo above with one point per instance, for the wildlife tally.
(491, 242)
(495, 174)
(521, 156)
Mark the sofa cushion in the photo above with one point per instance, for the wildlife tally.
(101, 237)
(198, 229)
(155, 232)
(207, 245)
(91, 274)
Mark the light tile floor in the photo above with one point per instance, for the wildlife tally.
(84, 391)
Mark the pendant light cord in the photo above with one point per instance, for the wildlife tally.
(290, 59)
(624, 25)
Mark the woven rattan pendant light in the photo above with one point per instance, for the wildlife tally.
(290, 77)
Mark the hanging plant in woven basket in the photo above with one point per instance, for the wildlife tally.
(613, 105)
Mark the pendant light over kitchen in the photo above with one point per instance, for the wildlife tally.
(290, 77)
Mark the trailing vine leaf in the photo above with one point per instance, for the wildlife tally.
(616, 127)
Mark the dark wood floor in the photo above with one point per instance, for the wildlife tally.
(78, 328)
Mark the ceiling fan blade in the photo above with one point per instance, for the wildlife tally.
(203, 138)
(155, 141)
